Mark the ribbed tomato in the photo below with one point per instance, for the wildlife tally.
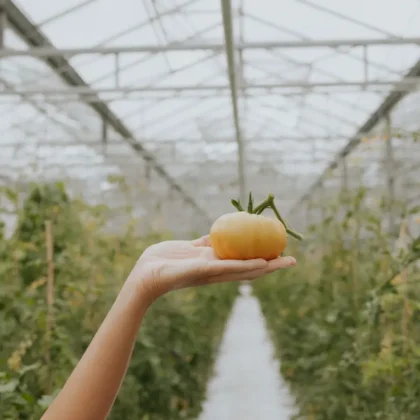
(246, 235)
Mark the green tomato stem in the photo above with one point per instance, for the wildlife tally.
(261, 207)
(289, 230)
(269, 203)
(250, 204)
(295, 234)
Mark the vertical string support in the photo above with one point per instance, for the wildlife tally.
(50, 298)
(390, 173)
(344, 186)
(91, 280)
(365, 63)
(308, 214)
(117, 70)
(147, 172)
(323, 197)
(104, 136)
(344, 176)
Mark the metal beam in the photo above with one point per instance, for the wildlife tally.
(198, 164)
(129, 30)
(230, 57)
(96, 141)
(404, 85)
(36, 39)
(182, 156)
(337, 51)
(50, 51)
(142, 97)
(320, 111)
(65, 12)
(346, 18)
(384, 109)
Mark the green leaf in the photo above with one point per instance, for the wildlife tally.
(11, 195)
(29, 368)
(414, 210)
(28, 397)
(45, 401)
(9, 386)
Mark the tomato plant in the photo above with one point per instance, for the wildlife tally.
(345, 320)
(174, 351)
(248, 234)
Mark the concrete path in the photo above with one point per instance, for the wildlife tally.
(247, 384)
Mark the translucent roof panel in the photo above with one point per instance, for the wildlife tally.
(309, 74)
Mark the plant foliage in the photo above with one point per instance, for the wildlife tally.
(345, 321)
(175, 348)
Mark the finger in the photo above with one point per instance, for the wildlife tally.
(270, 267)
(248, 275)
(203, 241)
(221, 267)
(279, 263)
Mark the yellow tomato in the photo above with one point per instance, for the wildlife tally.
(245, 236)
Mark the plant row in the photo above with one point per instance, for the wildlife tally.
(346, 321)
(59, 275)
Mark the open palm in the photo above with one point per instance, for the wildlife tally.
(174, 265)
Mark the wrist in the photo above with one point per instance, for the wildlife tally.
(139, 291)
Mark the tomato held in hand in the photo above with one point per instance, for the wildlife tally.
(244, 236)
(247, 235)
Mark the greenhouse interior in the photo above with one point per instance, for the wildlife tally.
(133, 123)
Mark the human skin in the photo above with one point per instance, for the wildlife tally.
(91, 389)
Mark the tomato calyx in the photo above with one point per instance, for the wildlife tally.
(267, 203)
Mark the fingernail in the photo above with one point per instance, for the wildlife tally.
(292, 261)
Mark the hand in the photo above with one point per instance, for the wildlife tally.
(174, 265)
(91, 389)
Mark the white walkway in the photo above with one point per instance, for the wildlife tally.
(247, 384)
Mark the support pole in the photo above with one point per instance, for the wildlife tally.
(3, 24)
(324, 201)
(230, 55)
(241, 58)
(389, 168)
(104, 136)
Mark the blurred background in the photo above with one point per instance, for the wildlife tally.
(123, 123)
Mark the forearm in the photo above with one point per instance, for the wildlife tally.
(92, 388)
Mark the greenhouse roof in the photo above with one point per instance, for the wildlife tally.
(151, 90)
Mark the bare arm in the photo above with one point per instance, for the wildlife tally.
(90, 391)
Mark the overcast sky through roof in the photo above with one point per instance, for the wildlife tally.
(199, 123)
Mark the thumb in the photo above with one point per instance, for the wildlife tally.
(178, 274)
(203, 241)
